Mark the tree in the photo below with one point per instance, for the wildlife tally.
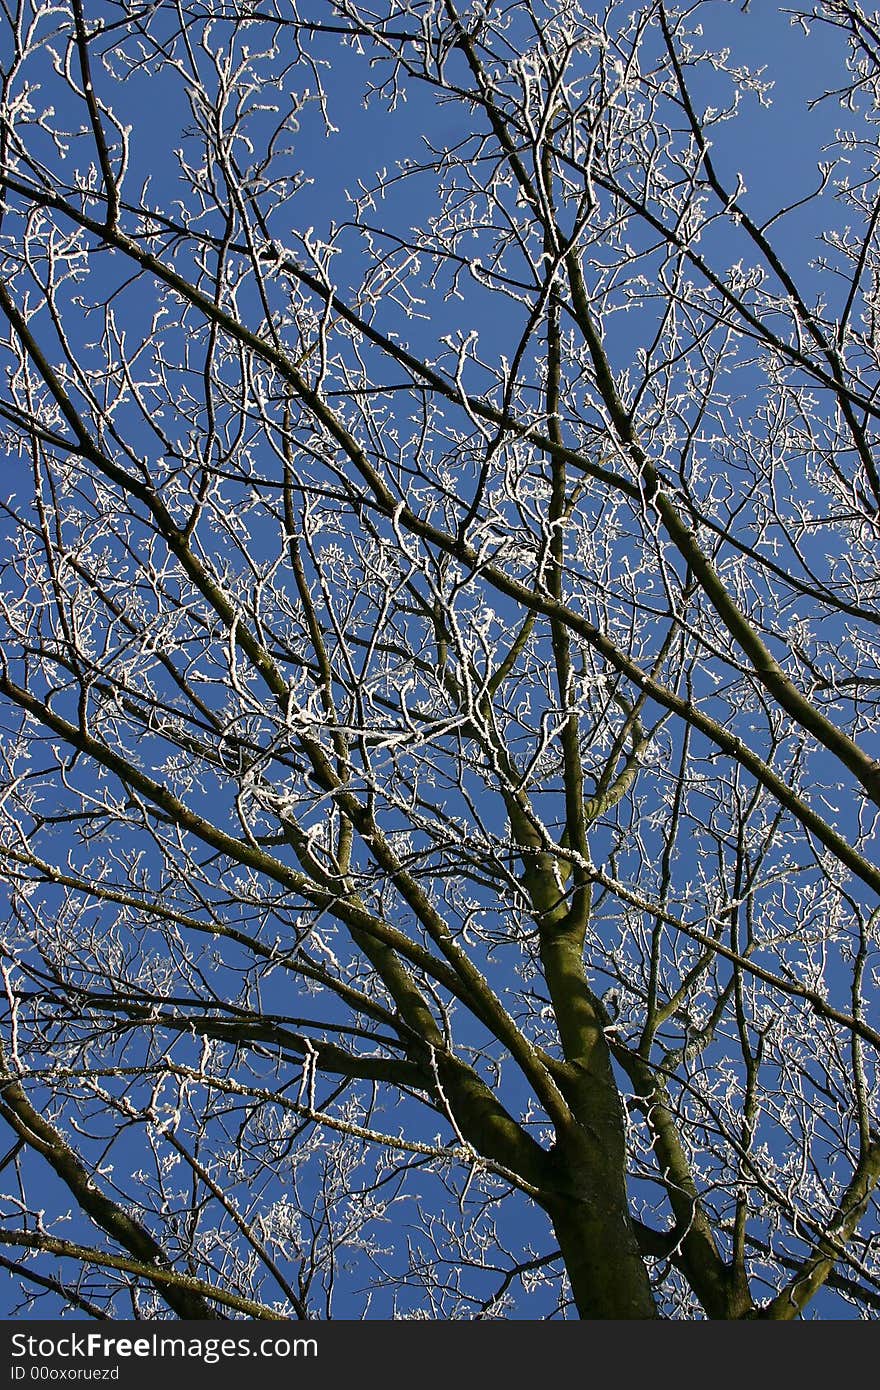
(440, 648)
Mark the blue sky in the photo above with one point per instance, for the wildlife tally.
(774, 146)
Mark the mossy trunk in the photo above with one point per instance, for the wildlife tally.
(587, 1197)
(590, 1216)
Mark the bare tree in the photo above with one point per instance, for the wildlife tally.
(440, 660)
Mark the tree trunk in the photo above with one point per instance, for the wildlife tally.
(590, 1216)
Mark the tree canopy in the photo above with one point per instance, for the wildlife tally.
(439, 681)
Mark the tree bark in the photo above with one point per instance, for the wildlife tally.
(591, 1219)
